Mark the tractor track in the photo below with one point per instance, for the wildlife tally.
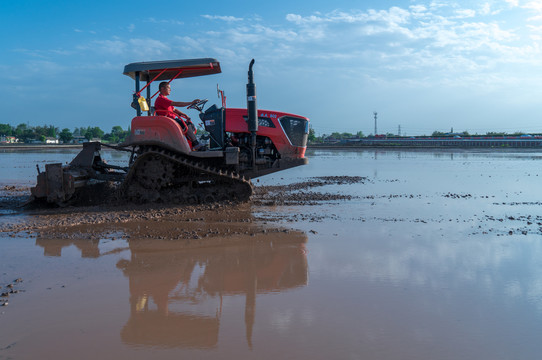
(161, 175)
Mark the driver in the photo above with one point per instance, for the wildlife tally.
(165, 107)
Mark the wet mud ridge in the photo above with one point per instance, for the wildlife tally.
(300, 193)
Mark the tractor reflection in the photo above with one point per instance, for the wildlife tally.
(177, 289)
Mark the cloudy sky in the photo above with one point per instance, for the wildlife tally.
(423, 65)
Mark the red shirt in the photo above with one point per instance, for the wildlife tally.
(163, 107)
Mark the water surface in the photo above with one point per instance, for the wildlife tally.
(437, 256)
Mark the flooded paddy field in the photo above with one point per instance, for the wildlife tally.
(362, 254)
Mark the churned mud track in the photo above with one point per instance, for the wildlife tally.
(105, 217)
(300, 194)
(112, 217)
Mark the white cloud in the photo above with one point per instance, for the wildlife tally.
(535, 29)
(439, 40)
(145, 47)
(465, 13)
(223, 18)
(114, 47)
(436, 39)
(82, 31)
(149, 46)
(535, 7)
(189, 41)
(440, 37)
(300, 20)
(418, 9)
(270, 33)
(486, 9)
(164, 21)
(394, 16)
(257, 35)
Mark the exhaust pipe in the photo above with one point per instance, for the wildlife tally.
(252, 111)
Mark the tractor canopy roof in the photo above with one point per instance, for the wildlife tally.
(172, 69)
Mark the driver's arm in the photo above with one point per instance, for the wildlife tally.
(184, 103)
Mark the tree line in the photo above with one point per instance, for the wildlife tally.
(26, 133)
(337, 136)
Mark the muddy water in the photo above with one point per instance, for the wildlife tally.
(416, 255)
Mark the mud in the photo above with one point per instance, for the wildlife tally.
(74, 221)
(13, 198)
(106, 214)
(298, 194)
(10, 290)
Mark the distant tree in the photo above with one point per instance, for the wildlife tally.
(20, 128)
(438, 134)
(116, 130)
(360, 135)
(97, 132)
(51, 131)
(39, 131)
(87, 133)
(117, 135)
(465, 133)
(42, 138)
(24, 133)
(6, 130)
(312, 135)
(93, 133)
(83, 132)
(65, 135)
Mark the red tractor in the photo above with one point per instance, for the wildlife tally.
(243, 144)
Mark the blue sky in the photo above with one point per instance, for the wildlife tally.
(422, 65)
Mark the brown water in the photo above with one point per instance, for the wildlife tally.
(437, 256)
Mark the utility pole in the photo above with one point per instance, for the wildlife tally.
(375, 114)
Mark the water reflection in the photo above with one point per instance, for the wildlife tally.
(177, 290)
(53, 247)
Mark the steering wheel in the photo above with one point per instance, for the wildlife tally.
(198, 105)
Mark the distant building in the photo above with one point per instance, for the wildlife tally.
(8, 139)
(51, 140)
(79, 139)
